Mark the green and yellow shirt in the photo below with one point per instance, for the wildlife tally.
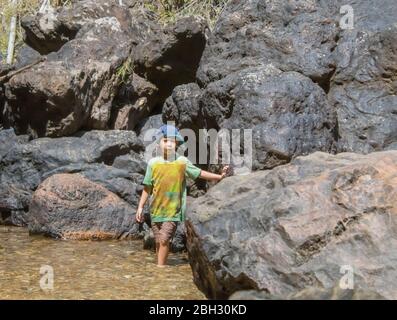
(168, 182)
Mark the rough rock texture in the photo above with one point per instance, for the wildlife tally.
(74, 88)
(108, 67)
(111, 158)
(135, 101)
(147, 128)
(287, 112)
(183, 108)
(295, 226)
(364, 87)
(293, 35)
(171, 57)
(26, 56)
(47, 32)
(352, 70)
(70, 206)
(335, 293)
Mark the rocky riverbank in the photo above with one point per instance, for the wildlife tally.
(319, 97)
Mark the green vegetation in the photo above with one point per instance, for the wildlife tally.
(124, 71)
(170, 10)
(22, 8)
(167, 11)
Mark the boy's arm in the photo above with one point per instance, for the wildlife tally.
(145, 195)
(213, 176)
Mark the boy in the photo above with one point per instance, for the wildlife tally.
(165, 179)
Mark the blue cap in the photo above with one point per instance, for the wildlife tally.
(167, 130)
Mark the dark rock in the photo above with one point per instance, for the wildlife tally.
(109, 67)
(70, 206)
(47, 32)
(287, 112)
(26, 56)
(171, 56)
(183, 107)
(364, 89)
(137, 98)
(355, 68)
(74, 88)
(293, 36)
(146, 129)
(4, 70)
(24, 165)
(296, 226)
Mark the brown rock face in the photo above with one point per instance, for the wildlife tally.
(70, 206)
(298, 226)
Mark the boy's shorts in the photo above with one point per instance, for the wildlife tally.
(164, 231)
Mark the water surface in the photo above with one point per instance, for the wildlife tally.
(89, 269)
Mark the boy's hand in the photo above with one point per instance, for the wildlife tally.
(139, 215)
(225, 171)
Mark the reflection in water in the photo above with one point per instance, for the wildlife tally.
(89, 269)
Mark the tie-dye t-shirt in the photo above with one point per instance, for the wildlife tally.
(168, 182)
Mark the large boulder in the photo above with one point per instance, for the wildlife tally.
(74, 87)
(364, 86)
(292, 35)
(70, 206)
(311, 223)
(4, 70)
(134, 102)
(310, 46)
(108, 67)
(171, 56)
(183, 107)
(48, 31)
(111, 158)
(287, 112)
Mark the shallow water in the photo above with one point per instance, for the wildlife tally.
(88, 270)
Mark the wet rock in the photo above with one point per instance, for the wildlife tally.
(25, 164)
(296, 226)
(70, 206)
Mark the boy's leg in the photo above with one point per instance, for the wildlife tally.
(164, 249)
(166, 233)
(156, 234)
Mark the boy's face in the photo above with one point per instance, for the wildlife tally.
(168, 145)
